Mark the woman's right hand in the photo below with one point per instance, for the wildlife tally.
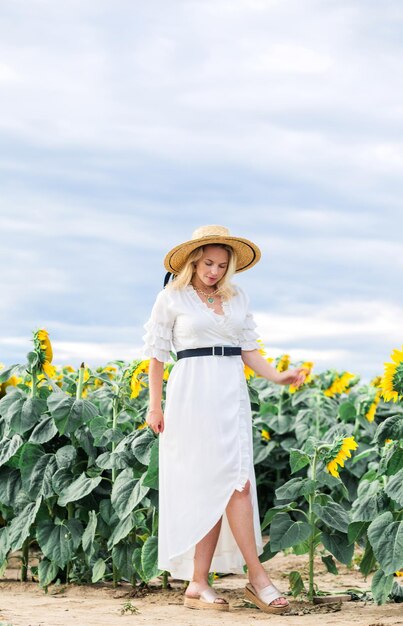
(155, 420)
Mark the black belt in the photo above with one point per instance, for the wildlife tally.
(213, 351)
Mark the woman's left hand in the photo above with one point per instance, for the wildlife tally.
(295, 376)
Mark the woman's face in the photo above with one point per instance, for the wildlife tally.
(211, 267)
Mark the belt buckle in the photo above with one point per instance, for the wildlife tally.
(219, 348)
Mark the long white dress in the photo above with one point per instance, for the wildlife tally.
(205, 450)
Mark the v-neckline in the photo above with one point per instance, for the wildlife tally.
(224, 304)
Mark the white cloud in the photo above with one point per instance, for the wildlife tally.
(346, 320)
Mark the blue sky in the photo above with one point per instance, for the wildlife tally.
(125, 125)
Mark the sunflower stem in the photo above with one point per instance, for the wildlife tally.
(114, 424)
(34, 382)
(80, 382)
(25, 559)
(317, 416)
(311, 520)
(280, 403)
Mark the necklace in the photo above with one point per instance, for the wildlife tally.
(210, 295)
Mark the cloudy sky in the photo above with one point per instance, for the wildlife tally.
(125, 125)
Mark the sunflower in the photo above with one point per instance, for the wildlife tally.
(11, 382)
(392, 380)
(265, 435)
(376, 381)
(343, 453)
(370, 414)
(341, 384)
(307, 367)
(44, 349)
(283, 363)
(248, 371)
(136, 385)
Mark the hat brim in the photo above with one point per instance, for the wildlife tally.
(248, 253)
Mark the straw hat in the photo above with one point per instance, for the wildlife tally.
(247, 252)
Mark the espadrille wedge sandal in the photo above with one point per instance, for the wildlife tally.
(264, 598)
(207, 599)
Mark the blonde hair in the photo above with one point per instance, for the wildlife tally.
(183, 279)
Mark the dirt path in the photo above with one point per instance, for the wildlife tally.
(27, 605)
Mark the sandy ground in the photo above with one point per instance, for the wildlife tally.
(25, 604)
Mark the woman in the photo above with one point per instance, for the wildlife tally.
(208, 509)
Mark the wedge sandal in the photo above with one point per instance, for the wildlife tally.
(206, 600)
(264, 598)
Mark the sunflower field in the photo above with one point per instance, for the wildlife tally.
(79, 471)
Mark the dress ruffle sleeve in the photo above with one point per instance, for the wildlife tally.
(158, 337)
(248, 336)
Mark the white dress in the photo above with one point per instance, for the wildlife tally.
(205, 450)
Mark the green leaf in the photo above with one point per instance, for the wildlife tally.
(70, 413)
(285, 533)
(294, 488)
(356, 531)
(267, 553)
(8, 447)
(137, 564)
(78, 489)
(121, 530)
(347, 412)
(368, 560)
(35, 473)
(127, 492)
(391, 428)
(31, 412)
(367, 507)
(122, 556)
(59, 541)
(397, 592)
(395, 463)
(363, 455)
(4, 548)
(296, 583)
(66, 456)
(149, 558)
(89, 534)
(338, 545)
(10, 485)
(386, 537)
(61, 479)
(271, 513)
(47, 572)
(330, 564)
(44, 431)
(19, 527)
(98, 570)
(333, 514)
(20, 411)
(394, 487)
(141, 445)
(10, 371)
(381, 586)
(98, 425)
(298, 460)
(151, 476)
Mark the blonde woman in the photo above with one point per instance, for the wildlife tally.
(208, 508)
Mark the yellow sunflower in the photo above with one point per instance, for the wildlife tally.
(307, 367)
(11, 382)
(136, 385)
(265, 435)
(248, 371)
(347, 444)
(283, 363)
(376, 381)
(370, 415)
(339, 385)
(42, 343)
(392, 380)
